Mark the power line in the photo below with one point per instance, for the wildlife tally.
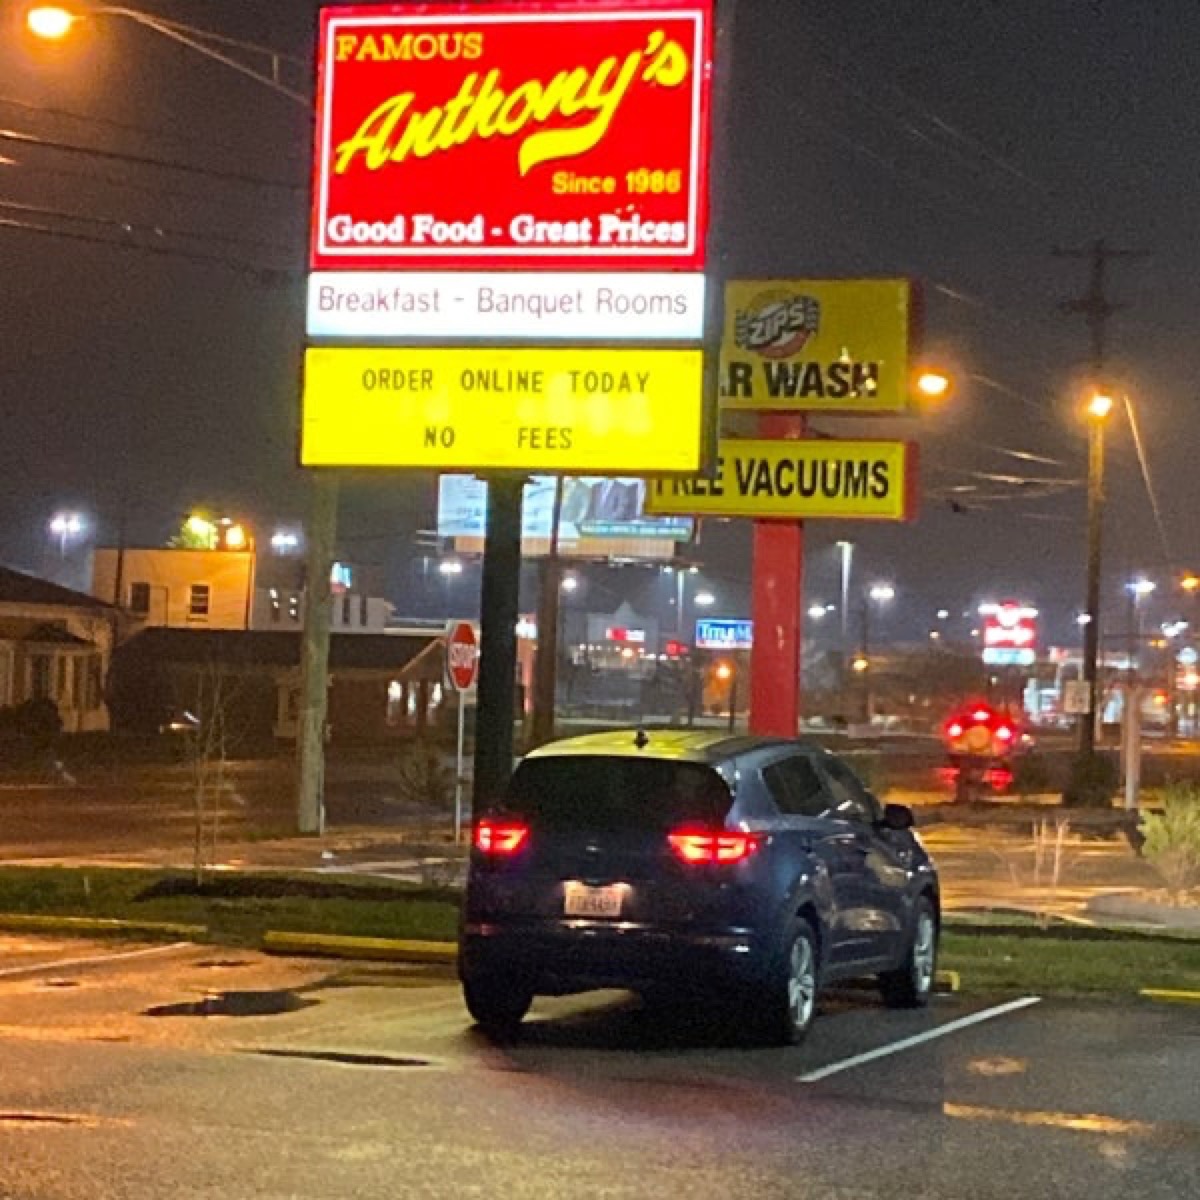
(264, 274)
(143, 160)
(129, 227)
(1150, 492)
(181, 139)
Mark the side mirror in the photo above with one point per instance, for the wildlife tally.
(897, 816)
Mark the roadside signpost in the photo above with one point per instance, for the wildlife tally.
(793, 349)
(510, 229)
(462, 666)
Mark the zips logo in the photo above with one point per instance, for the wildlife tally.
(777, 324)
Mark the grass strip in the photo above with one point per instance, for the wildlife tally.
(234, 907)
(1069, 967)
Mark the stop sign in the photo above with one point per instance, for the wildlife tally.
(462, 654)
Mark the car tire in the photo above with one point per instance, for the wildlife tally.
(910, 985)
(791, 1001)
(498, 1003)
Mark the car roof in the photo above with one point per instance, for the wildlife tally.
(682, 745)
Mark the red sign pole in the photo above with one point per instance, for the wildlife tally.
(777, 605)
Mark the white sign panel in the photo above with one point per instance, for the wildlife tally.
(551, 306)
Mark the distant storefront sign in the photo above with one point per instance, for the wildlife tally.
(717, 633)
(1009, 633)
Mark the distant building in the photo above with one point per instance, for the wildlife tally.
(227, 589)
(55, 644)
(382, 687)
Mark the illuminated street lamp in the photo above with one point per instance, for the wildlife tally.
(65, 526)
(54, 23)
(570, 583)
(933, 384)
(704, 599)
(881, 593)
(816, 611)
(448, 568)
(50, 22)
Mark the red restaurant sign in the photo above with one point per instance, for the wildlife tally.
(533, 135)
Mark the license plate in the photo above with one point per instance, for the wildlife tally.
(580, 900)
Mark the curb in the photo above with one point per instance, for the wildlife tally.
(31, 923)
(1170, 995)
(947, 983)
(325, 945)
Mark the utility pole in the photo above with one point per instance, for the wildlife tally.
(314, 654)
(494, 705)
(1096, 309)
(545, 664)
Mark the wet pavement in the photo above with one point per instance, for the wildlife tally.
(194, 1072)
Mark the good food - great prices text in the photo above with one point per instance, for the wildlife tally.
(513, 137)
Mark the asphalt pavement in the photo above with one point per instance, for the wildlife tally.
(197, 1071)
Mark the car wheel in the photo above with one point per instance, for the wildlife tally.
(792, 997)
(497, 1002)
(911, 984)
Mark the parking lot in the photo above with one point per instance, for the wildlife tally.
(130, 1071)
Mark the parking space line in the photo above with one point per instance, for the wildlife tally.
(92, 961)
(917, 1039)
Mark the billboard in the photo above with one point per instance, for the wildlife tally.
(1009, 633)
(835, 345)
(601, 516)
(529, 136)
(798, 479)
(474, 408)
(724, 633)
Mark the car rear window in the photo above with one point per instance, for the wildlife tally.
(597, 793)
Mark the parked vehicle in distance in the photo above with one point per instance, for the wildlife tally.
(745, 872)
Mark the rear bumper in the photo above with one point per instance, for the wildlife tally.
(561, 956)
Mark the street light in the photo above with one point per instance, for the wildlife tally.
(933, 384)
(881, 593)
(570, 583)
(64, 526)
(50, 22)
(54, 22)
(450, 567)
(817, 611)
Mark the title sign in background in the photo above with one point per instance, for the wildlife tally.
(518, 135)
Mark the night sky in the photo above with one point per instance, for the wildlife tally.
(955, 141)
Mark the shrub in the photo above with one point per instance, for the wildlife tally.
(1093, 781)
(31, 721)
(1173, 838)
(1031, 775)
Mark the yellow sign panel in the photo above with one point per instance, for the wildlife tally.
(838, 345)
(480, 408)
(795, 480)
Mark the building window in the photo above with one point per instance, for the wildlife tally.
(363, 612)
(294, 608)
(276, 608)
(94, 683)
(139, 598)
(347, 603)
(199, 598)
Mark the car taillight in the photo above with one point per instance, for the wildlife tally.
(499, 837)
(697, 847)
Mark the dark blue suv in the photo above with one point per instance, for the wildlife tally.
(677, 863)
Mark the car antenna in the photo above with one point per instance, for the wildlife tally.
(641, 739)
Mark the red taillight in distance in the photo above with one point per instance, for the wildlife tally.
(707, 847)
(500, 837)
